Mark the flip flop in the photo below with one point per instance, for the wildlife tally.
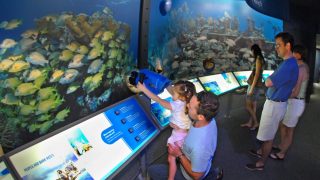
(255, 153)
(254, 167)
(275, 156)
(254, 128)
(245, 125)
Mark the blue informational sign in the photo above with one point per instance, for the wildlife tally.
(162, 114)
(4, 172)
(219, 83)
(266, 74)
(130, 123)
(96, 148)
(242, 77)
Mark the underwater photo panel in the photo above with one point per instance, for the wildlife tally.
(192, 38)
(62, 60)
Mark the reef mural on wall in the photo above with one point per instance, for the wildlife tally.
(61, 61)
(200, 37)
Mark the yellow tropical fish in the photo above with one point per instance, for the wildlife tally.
(66, 55)
(5, 64)
(19, 66)
(13, 24)
(25, 89)
(57, 74)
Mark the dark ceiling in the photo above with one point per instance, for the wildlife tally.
(305, 3)
(305, 8)
(308, 9)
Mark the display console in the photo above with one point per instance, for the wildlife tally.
(242, 77)
(5, 173)
(266, 74)
(96, 148)
(219, 83)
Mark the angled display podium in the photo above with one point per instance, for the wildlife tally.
(160, 113)
(101, 145)
(242, 77)
(95, 147)
(220, 83)
(266, 74)
(5, 173)
(197, 84)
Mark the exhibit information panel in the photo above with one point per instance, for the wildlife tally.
(93, 149)
(242, 77)
(197, 84)
(219, 83)
(4, 172)
(162, 114)
(266, 74)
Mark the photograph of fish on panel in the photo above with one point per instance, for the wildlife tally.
(61, 60)
(193, 38)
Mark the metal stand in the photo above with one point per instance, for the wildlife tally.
(143, 165)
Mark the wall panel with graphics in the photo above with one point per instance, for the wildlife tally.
(200, 37)
(62, 60)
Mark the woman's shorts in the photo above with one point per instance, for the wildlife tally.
(256, 93)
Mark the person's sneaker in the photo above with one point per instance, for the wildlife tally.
(254, 167)
(255, 153)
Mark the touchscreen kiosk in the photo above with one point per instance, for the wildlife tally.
(161, 114)
(96, 148)
(4, 172)
(266, 74)
(219, 83)
(197, 84)
(242, 77)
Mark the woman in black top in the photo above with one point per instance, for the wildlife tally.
(255, 87)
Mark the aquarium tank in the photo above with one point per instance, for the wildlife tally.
(61, 60)
(191, 38)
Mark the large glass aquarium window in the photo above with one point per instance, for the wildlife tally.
(61, 60)
(193, 38)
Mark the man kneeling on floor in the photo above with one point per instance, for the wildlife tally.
(200, 144)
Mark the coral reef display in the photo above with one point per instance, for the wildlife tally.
(65, 67)
(209, 38)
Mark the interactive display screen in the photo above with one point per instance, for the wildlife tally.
(242, 77)
(197, 84)
(4, 172)
(162, 114)
(219, 83)
(93, 149)
(266, 74)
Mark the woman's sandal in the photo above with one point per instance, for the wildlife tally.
(254, 167)
(254, 128)
(275, 156)
(245, 125)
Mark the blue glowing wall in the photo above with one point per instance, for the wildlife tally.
(200, 37)
(62, 60)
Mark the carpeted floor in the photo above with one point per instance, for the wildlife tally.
(302, 161)
(303, 158)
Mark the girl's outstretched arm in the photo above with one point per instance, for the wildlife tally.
(154, 97)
